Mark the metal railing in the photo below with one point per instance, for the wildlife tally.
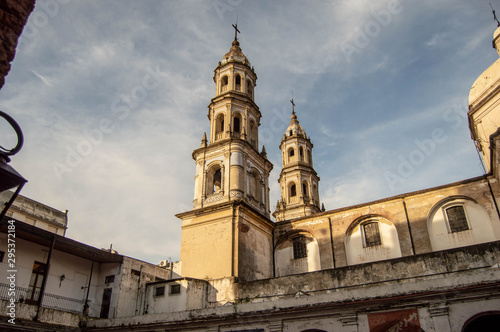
(50, 301)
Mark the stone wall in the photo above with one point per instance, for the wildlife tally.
(13, 17)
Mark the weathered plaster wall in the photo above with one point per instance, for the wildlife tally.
(132, 279)
(207, 245)
(396, 217)
(254, 246)
(358, 253)
(76, 272)
(40, 215)
(430, 265)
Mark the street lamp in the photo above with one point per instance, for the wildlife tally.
(11, 182)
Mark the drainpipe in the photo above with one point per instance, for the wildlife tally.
(44, 281)
(139, 295)
(233, 244)
(409, 227)
(273, 253)
(331, 241)
(86, 305)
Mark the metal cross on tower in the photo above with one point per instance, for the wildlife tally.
(495, 15)
(236, 31)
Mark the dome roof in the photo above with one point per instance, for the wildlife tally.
(496, 40)
(235, 54)
(294, 128)
(487, 79)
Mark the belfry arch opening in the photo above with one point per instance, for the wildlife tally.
(224, 82)
(214, 180)
(253, 133)
(219, 126)
(291, 154)
(292, 192)
(250, 88)
(237, 124)
(237, 82)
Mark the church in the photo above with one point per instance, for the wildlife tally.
(421, 261)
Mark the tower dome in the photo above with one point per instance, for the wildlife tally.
(295, 128)
(235, 55)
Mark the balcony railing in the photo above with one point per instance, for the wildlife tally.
(50, 301)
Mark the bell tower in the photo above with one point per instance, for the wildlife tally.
(228, 233)
(298, 179)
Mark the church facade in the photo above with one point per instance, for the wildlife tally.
(422, 261)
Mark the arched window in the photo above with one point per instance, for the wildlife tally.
(370, 239)
(249, 88)
(224, 83)
(459, 221)
(237, 124)
(219, 126)
(293, 190)
(301, 154)
(237, 82)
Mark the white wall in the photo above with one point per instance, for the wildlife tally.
(357, 253)
(287, 265)
(481, 228)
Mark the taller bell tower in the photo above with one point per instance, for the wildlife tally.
(228, 233)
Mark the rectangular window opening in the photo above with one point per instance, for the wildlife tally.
(457, 219)
(175, 289)
(372, 234)
(299, 247)
(109, 279)
(160, 291)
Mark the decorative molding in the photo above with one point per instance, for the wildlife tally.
(214, 198)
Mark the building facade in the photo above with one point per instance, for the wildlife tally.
(421, 261)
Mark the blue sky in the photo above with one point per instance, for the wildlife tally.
(112, 97)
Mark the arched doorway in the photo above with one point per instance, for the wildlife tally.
(484, 322)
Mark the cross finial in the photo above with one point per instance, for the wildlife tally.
(494, 15)
(293, 104)
(236, 31)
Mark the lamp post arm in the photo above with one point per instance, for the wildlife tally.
(20, 137)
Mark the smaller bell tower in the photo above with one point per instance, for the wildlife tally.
(298, 179)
